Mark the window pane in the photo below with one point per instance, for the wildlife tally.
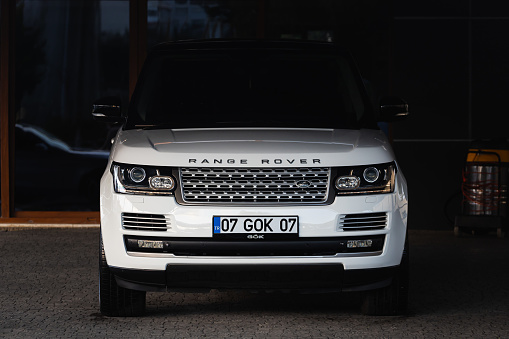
(170, 20)
(68, 54)
(261, 89)
(200, 19)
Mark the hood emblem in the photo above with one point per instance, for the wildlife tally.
(303, 184)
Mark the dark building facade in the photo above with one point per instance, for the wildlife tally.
(447, 59)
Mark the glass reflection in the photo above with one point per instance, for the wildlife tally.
(68, 53)
(170, 20)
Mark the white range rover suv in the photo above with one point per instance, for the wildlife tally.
(253, 165)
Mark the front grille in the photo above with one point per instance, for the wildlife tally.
(254, 185)
(363, 221)
(145, 222)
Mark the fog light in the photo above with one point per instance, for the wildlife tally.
(366, 243)
(162, 183)
(150, 244)
(347, 182)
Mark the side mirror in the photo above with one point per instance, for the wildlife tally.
(393, 109)
(107, 109)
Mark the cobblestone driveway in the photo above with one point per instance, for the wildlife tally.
(48, 288)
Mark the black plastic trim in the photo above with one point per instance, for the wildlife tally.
(316, 278)
(260, 276)
(234, 247)
(142, 280)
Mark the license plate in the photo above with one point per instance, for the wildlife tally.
(256, 225)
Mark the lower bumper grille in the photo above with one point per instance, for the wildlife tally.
(363, 221)
(145, 222)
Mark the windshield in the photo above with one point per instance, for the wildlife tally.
(248, 89)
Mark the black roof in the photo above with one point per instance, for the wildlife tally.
(304, 45)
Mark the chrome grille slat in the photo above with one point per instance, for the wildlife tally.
(363, 222)
(140, 227)
(254, 185)
(144, 222)
(153, 222)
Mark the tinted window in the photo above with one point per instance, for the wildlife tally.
(251, 90)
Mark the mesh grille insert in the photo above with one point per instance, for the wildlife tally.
(254, 185)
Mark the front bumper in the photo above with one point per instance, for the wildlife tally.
(358, 269)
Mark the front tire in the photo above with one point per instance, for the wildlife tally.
(116, 301)
(393, 299)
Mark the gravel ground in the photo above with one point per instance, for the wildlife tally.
(49, 288)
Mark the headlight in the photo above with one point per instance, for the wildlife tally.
(368, 179)
(371, 174)
(135, 179)
(137, 174)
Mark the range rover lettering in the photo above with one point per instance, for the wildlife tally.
(254, 165)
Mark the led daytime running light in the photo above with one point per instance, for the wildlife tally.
(348, 182)
(162, 182)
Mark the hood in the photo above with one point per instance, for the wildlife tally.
(255, 147)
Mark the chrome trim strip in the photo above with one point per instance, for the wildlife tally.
(139, 228)
(364, 220)
(129, 190)
(149, 221)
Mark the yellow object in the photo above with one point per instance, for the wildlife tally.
(487, 155)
